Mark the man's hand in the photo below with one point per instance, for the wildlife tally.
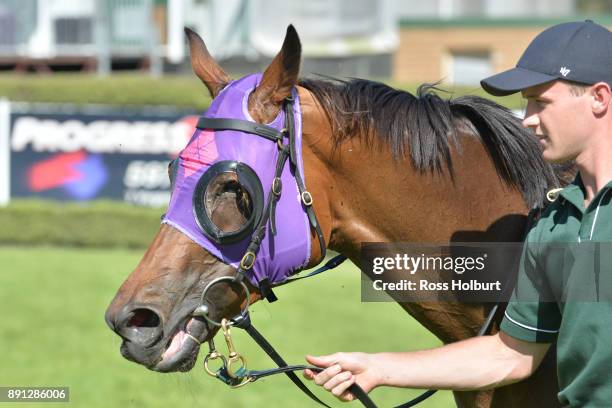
(478, 363)
(342, 370)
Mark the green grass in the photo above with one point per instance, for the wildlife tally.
(131, 89)
(53, 334)
(92, 224)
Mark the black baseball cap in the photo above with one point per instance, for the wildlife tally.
(578, 51)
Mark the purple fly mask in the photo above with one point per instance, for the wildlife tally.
(229, 148)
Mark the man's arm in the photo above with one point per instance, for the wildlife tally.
(476, 363)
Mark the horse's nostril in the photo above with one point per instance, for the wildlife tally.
(143, 318)
(141, 326)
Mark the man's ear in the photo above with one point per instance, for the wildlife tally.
(601, 97)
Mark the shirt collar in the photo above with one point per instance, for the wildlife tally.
(575, 192)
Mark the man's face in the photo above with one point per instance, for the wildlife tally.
(559, 119)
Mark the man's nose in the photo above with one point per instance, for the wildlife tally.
(531, 120)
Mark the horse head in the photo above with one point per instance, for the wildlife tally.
(239, 217)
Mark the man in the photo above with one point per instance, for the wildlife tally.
(565, 75)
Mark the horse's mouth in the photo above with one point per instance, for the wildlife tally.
(182, 349)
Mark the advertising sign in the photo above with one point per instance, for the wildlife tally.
(85, 156)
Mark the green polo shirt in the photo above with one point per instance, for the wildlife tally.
(564, 293)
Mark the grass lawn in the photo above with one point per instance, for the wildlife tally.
(182, 91)
(53, 334)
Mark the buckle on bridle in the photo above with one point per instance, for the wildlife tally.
(306, 198)
(248, 260)
(277, 186)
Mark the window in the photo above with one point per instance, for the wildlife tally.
(469, 67)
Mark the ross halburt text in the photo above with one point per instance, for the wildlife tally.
(422, 284)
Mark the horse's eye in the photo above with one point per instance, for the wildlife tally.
(227, 204)
(228, 201)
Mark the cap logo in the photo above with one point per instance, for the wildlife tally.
(564, 71)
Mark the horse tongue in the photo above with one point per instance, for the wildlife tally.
(183, 346)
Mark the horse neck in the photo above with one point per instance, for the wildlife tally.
(372, 197)
(363, 194)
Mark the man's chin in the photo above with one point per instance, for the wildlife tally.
(554, 158)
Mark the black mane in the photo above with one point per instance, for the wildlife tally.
(426, 126)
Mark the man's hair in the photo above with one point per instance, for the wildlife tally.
(576, 88)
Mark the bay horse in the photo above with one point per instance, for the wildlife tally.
(380, 164)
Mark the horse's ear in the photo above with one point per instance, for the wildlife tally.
(282, 75)
(204, 65)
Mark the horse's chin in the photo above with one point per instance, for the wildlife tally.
(182, 351)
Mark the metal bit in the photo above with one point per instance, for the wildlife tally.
(201, 311)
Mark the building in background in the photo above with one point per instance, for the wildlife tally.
(457, 41)
(339, 37)
(345, 37)
(461, 42)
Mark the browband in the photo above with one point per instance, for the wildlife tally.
(242, 125)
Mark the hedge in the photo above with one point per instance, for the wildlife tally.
(179, 91)
(95, 224)
(182, 91)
